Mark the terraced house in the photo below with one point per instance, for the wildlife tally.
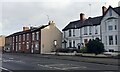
(105, 27)
(43, 39)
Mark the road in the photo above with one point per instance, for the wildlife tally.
(14, 61)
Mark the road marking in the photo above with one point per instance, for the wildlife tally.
(11, 58)
(61, 66)
(5, 69)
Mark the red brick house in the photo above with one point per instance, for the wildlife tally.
(29, 40)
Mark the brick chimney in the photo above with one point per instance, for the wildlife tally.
(82, 16)
(25, 28)
(104, 9)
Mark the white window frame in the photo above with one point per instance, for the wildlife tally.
(33, 36)
(23, 37)
(37, 35)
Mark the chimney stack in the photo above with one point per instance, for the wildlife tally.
(82, 16)
(25, 28)
(51, 23)
(104, 9)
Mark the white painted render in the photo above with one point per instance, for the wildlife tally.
(79, 35)
(106, 33)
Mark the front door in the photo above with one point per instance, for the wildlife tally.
(32, 50)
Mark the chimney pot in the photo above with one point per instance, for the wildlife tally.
(25, 28)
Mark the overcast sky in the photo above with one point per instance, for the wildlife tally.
(14, 14)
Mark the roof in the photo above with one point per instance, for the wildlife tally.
(90, 21)
(28, 31)
(79, 23)
(117, 10)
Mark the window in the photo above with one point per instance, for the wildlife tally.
(110, 40)
(19, 46)
(33, 36)
(69, 33)
(16, 38)
(27, 45)
(116, 39)
(73, 32)
(16, 47)
(27, 36)
(13, 39)
(23, 37)
(13, 46)
(37, 35)
(19, 37)
(110, 27)
(96, 30)
(73, 43)
(85, 30)
(110, 12)
(115, 27)
(70, 43)
(106, 39)
(90, 30)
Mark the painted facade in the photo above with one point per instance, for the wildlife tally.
(105, 27)
(110, 24)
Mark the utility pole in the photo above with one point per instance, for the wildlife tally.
(92, 24)
(90, 9)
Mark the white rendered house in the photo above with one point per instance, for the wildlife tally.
(110, 29)
(105, 27)
(79, 32)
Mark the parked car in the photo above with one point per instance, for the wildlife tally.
(6, 49)
(68, 50)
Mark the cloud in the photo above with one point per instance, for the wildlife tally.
(15, 14)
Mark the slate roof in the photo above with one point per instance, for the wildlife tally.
(89, 22)
(79, 23)
(117, 10)
(28, 31)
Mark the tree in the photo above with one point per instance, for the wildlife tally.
(95, 46)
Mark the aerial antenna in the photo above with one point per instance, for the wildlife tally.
(48, 17)
(90, 9)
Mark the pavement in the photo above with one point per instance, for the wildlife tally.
(89, 59)
(19, 61)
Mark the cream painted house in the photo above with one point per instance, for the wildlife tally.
(50, 35)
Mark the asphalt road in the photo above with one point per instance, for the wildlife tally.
(12, 62)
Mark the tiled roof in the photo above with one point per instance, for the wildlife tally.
(79, 23)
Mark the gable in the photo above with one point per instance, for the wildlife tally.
(110, 11)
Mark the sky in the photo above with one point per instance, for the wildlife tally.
(14, 14)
